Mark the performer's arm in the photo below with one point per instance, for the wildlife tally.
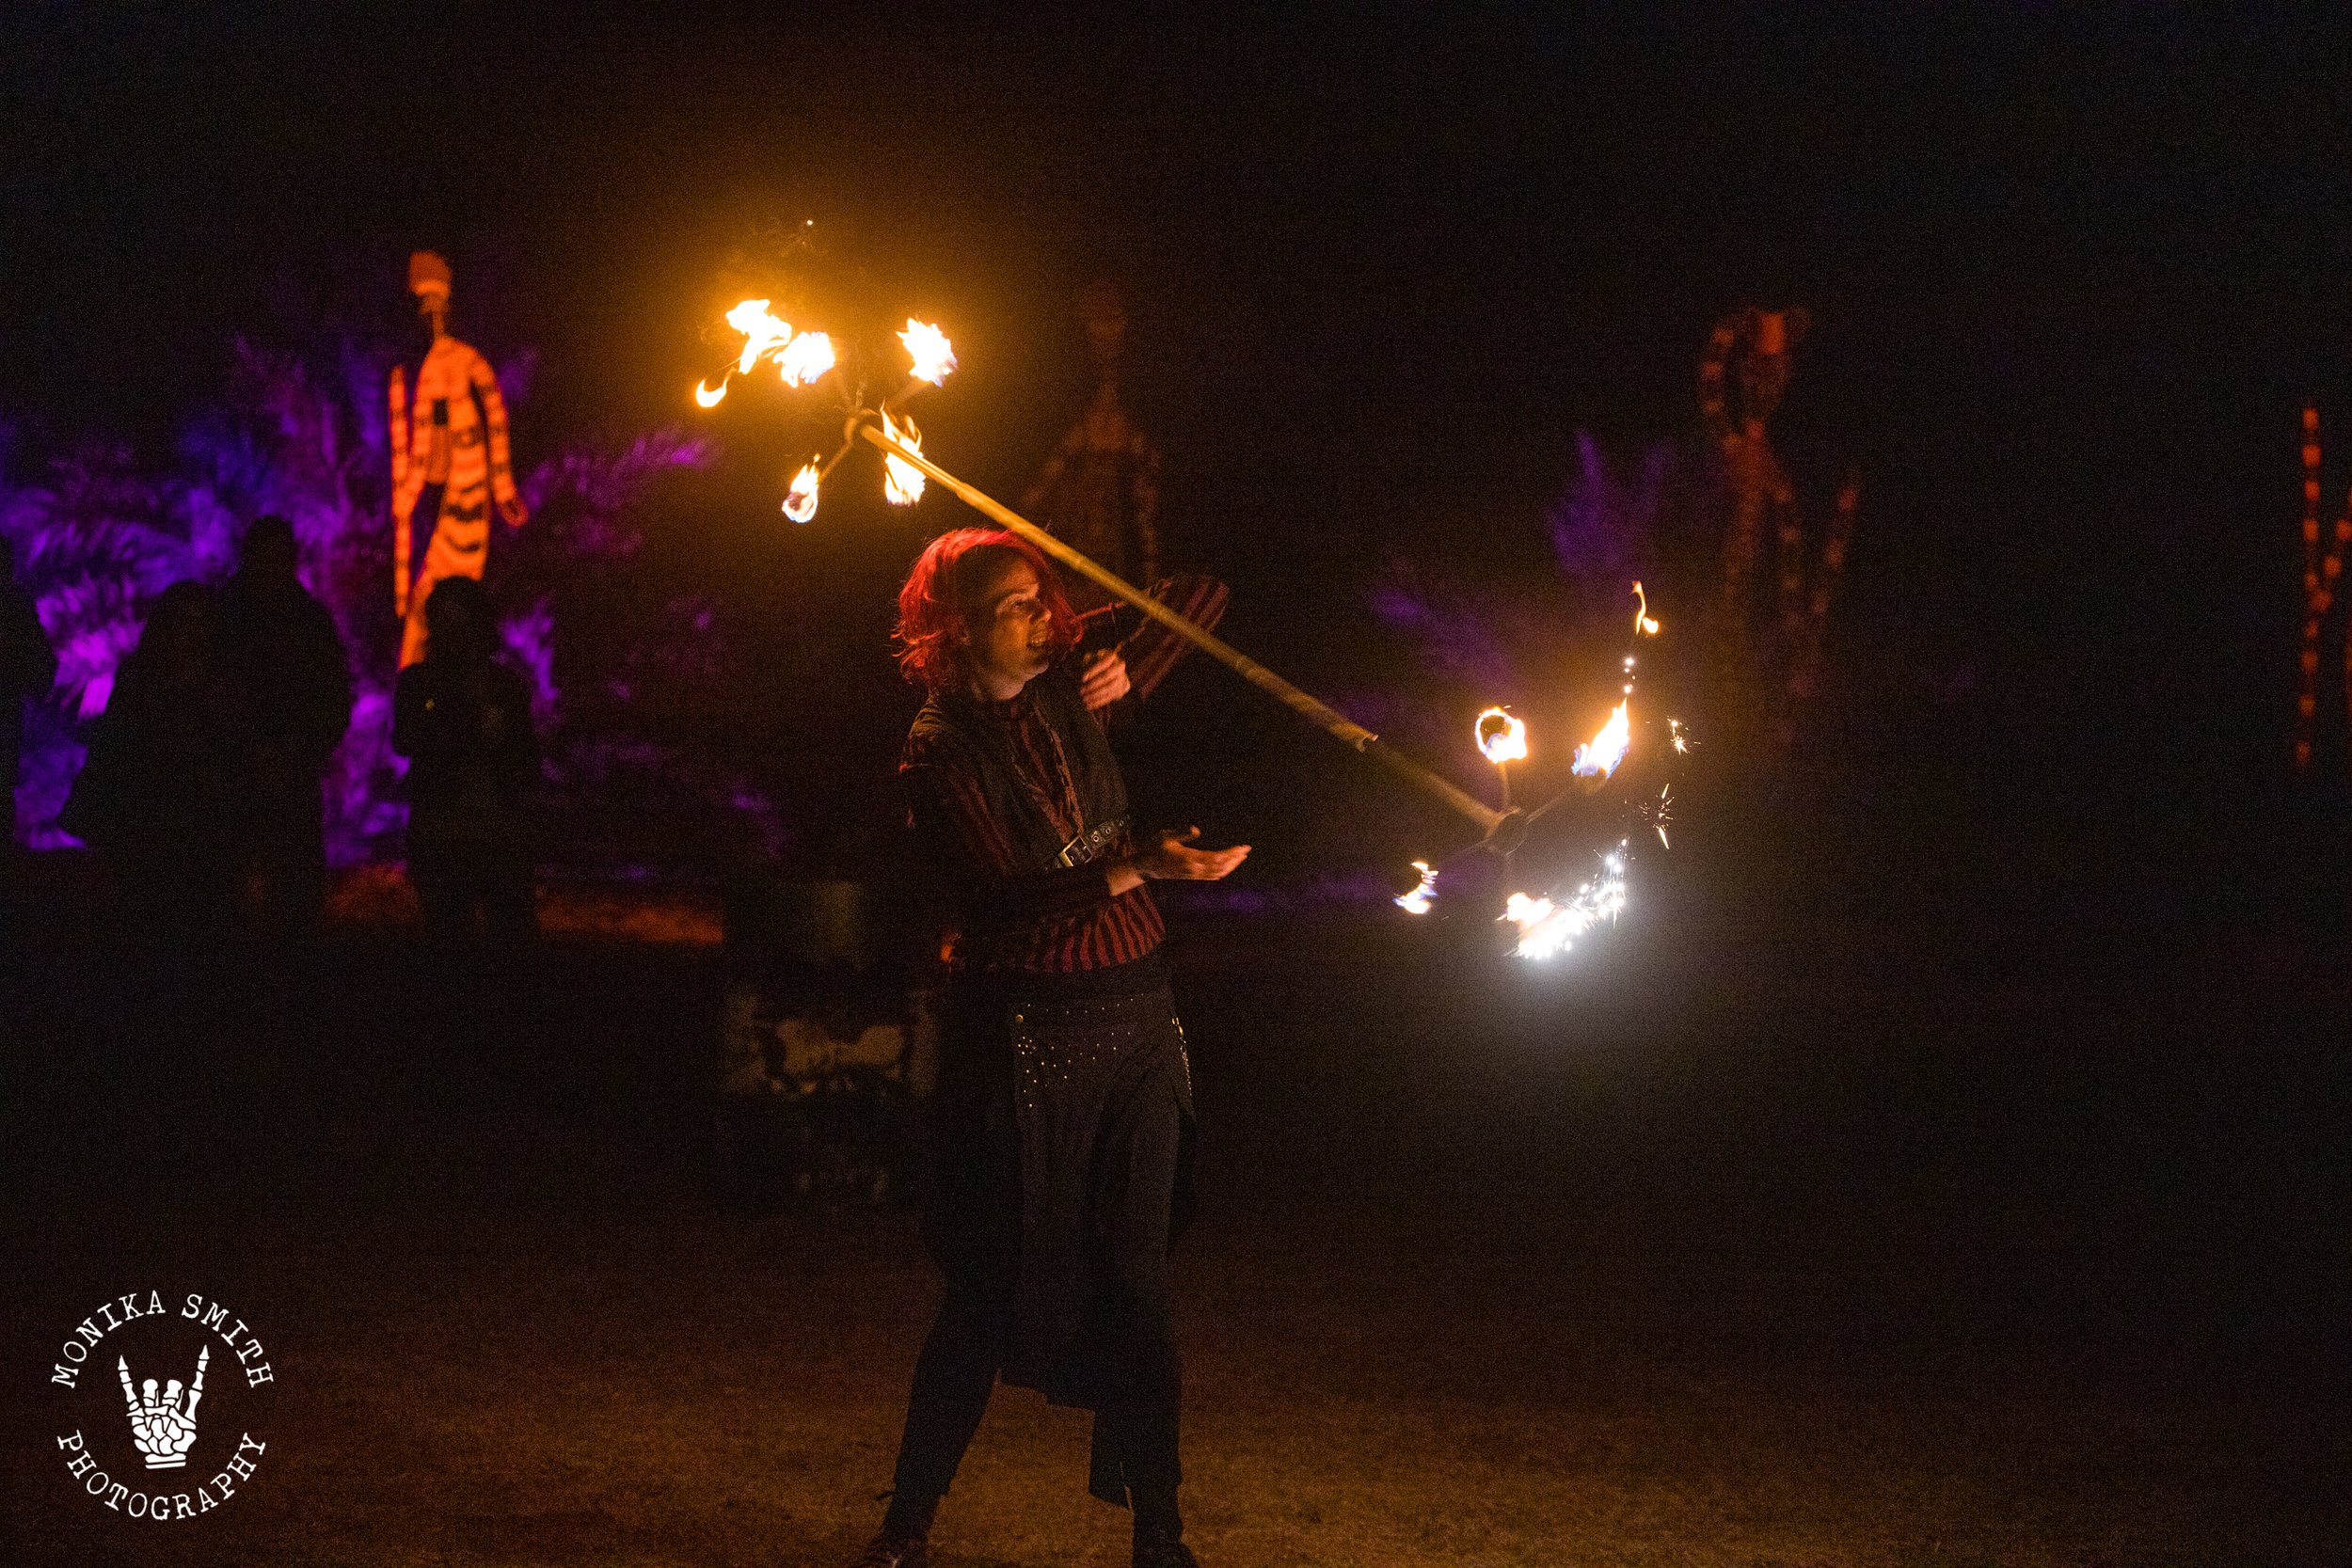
(951, 812)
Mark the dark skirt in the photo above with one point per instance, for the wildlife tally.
(1062, 1145)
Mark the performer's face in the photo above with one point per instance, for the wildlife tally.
(1011, 633)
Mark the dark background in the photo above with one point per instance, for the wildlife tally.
(2072, 277)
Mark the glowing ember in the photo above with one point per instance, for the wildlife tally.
(1417, 901)
(708, 396)
(933, 356)
(804, 358)
(1599, 757)
(1643, 624)
(762, 332)
(903, 482)
(1501, 736)
(1547, 928)
(1682, 742)
(799, 503)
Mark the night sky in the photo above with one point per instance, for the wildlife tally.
(2072, 280)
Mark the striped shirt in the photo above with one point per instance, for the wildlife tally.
(1057, 921)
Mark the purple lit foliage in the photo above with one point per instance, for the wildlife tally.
(97, 536)
(1541, 647)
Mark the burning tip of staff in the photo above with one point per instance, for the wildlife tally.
(805, 359)
(1501, 736)
(799, 503)
(763, 334)
(903, 482)
(709, 396)
(1598, 757)
(932, 354)
(1418, 900)
(1644, 625)
(1548, 928)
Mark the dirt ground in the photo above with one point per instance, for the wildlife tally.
(1724, 1245)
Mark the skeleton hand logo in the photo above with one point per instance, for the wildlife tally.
(161, 1425)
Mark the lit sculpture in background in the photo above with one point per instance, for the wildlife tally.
(1101, 488)
(2320, 575)
(449, 440)
(1763, 677)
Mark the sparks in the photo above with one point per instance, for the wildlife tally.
(1417, 901)
(933, 356)
(1599, 757)
(1643, 624)
(1662, 813)
(903, 482)
(1547, 928)
(1682, 742)
(708, 395)
(799, 503)
(804, 358)
(1501, 736)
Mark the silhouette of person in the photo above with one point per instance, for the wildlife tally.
(289, 667)
(28, 667)
(463, 720)
(160, 795)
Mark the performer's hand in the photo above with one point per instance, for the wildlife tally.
(1173, 858)
(1105, 680)
(512, 508)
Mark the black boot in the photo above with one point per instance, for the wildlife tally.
(896, 1551)
(1158, 1545)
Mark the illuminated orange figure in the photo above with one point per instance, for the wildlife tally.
(455, 446)
(2320, 575)
(1741, 380)
(1100, 489)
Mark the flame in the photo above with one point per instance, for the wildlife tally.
(1643, 624)
(762, 332)
(1501, 736)
(903, 482)
(1417, 901)
(708, 396)
(933, 356)
(1607, 749)
(1547, 928)
(804, 358)
(799, 503)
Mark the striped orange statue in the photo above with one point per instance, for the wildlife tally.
(454, 448)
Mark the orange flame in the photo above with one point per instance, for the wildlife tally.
(1501, 736)
(708, 396)
(1599, 757)
(799, 503)
(903, 482)
(933, 356)
(762, 332)
(804, 358)
(1643, 624)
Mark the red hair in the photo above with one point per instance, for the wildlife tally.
(942, 595)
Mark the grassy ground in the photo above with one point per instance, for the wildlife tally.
(1958, 1266)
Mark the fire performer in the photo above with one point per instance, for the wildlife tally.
(1063, 1121)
